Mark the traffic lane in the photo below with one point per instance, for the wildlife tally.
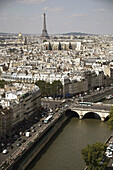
(52, 103)
(30, 139)
(98, 107)
(13, 151)
(3, 157)
(101, 107)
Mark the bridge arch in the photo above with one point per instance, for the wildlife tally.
(93, 115)
(72, 113)
(107, 118)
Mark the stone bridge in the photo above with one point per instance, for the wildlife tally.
(101, 110)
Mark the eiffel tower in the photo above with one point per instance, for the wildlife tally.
(44, 31)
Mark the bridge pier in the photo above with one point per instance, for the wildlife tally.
(81, 117)
(102, 119)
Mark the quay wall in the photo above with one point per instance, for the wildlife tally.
(30, 157)
(42, 146)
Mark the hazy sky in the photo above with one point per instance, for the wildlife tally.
(62, 16)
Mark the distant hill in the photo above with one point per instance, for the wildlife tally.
(76, 33)
(16, 34)
(5, 34)
(70, 33)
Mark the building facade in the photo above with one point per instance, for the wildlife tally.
(20, 102)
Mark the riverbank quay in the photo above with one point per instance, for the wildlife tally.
(38, 143)
(98, 96)
(92, 97)
(107, 142)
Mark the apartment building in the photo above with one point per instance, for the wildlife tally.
(5, 121)
(20, 102)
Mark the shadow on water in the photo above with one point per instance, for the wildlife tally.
(43, 151)
(91, 115)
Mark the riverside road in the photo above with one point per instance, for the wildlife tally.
(16, 151)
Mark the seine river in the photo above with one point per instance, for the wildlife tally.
(64, 152)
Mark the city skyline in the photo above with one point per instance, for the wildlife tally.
(26, 16)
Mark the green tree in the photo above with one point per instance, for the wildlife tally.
(94, 156)
(44, 41)
(56, 87)
(48, 89)
(43, 88)
(2, 83)
(110, 121)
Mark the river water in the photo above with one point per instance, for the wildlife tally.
(64, 152)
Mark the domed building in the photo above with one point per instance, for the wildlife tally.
(20, 39)
(20, 36)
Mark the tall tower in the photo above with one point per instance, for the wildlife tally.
(44, 31)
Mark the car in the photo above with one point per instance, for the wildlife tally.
(33, 130)
(110, 145)
(39, 125)
(16, 136)
(28, 130)
(66, 105)
(27, 134)
(2, 144)
(8, 144)
(109, 156)
(20, 133)
(24, 140)
(18, 144)
(50, 110)
(19, 139)
(5, 151)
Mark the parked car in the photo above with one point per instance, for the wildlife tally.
(23, 140)
(19, 139)
(5, 151)
(32, 127)
(18, 144)
(33, 130)
(39, 125)
(27, 134)
(8, 144)
(16, 136)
